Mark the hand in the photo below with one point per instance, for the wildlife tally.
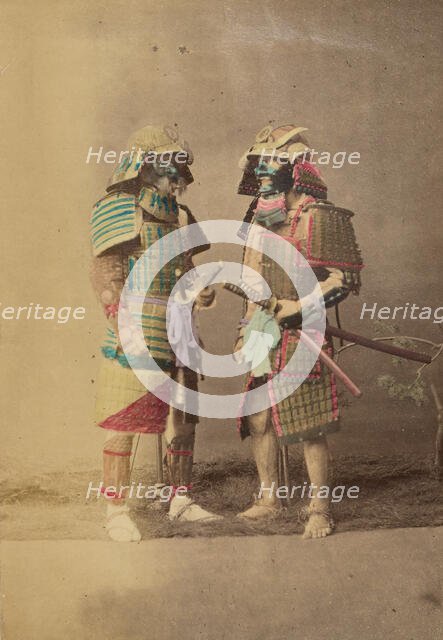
(238, 346)
(287, 308)
(134, 343)
(206, 297)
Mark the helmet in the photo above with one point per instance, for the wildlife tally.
(273, 142)
(154, 140)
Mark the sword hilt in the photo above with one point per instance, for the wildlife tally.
(248, 293)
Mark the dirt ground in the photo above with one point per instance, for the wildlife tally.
(393, 492)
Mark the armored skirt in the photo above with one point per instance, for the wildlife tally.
(324, 236)
(124, 404)
(311, 410)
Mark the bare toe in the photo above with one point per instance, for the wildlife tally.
(318, 525)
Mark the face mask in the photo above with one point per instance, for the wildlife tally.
(266, 175)
(168, 171)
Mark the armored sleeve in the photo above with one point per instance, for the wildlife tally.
(331, 243)
(327, 241)
(107, 278)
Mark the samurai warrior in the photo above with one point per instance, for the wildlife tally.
(290, 199)
(140, 207)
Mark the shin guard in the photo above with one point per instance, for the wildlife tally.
(116, 464)
(179, 456)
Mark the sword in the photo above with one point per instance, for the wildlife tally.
(272, 305)
(336, 332)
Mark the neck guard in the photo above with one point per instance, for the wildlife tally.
(162, 208)
(271, 210)
(307, 179)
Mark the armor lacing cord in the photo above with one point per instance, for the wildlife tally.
(179, 457)
(296, 217)
(117, 451)
(109, 495)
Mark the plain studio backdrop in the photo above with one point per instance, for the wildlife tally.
(363, 77)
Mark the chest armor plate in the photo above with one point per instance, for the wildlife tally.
(293, 233)
(164, 279)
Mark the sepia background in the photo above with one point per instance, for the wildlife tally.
(361, 76)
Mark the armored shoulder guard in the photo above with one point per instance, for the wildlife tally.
(331, 241)
(116, 218)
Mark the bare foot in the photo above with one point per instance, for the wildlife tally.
(261, 510)
(319, 525)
